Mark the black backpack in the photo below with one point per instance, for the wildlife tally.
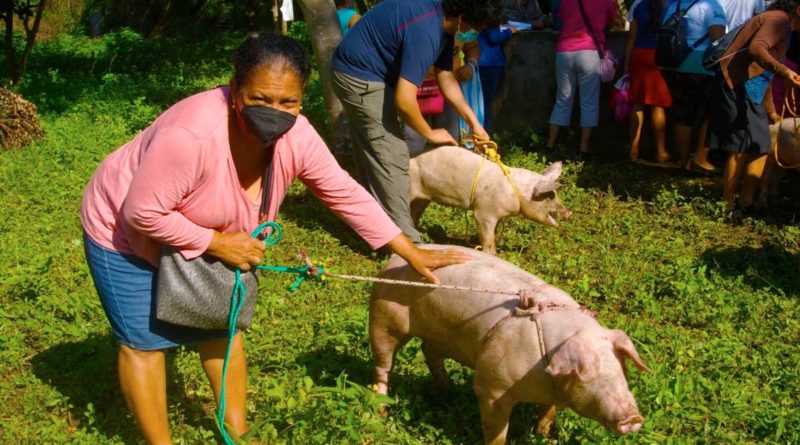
(713, 54)
(672, 48)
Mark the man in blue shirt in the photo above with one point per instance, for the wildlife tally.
(378, 67)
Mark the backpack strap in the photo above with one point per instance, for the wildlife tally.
(600, 51)
(682, 13)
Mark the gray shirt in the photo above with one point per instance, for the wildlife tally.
(521, 10)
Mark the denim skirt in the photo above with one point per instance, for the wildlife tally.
(126, 285)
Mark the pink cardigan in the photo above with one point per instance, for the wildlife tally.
(175, 183)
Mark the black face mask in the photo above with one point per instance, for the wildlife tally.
(269, 124)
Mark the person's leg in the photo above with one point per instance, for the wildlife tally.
(490, 79)
(588, 64)
(734, 168)
(566, 83)
(752, 179)
(702, 150)
(212, 356)
(658, 120)
(683, 141)
(126, 286)
(637, 121)
(384, 156)
(142, 377)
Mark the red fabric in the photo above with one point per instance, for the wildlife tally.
(430, 98)
(647, 84)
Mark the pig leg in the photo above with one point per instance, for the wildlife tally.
(418, 206)
(486, 226)
(384, 346)
(547, 416)
(495, 413)
(435, 361)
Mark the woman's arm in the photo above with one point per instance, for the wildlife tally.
(770, 34)
(339, 192)
(452, 92)
(172, 168)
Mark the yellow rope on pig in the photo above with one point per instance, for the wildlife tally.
(488, 149)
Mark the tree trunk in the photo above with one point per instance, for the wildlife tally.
(323, 25)
(30, 34)
(6, 9)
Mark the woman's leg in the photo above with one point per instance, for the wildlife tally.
(212, 355)
(588, 65)
(658, 120)
(637, 121)
(702, 150)
(733, 173)
(683, 141)
(752, 179)
(566, 83)
(142, 376)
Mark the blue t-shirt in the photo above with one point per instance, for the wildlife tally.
(700, 17)
(647, 24)
(491, 41)
(344, 16)
(396, 38)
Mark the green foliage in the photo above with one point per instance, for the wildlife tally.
(712, 308)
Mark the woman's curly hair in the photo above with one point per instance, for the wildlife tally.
(269, 48)
(478, 13)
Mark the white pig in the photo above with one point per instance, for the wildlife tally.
(445, 175)
(581, 367)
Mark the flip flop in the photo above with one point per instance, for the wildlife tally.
(705, 171)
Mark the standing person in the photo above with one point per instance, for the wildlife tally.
(192, 180)
(648, 88)
(347, 15)
(689, 82)
(523, 11)
(737, 13)
(491, 66)
(378, 68)
(742, 99)
(577, 65)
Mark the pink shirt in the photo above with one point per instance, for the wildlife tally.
(175, 183)
(574, 36)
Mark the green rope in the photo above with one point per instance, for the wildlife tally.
(237, 301)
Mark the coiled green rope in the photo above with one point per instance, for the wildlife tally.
(237, 301)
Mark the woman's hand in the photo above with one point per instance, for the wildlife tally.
(791, 79)
(425, 261)
(464, 73)
(774, 117)
(236, 249)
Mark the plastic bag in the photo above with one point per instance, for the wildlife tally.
(620, 100)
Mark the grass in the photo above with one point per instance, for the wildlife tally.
(712, 307)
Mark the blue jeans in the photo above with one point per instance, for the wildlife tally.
(577, 70)
(490, 80)
(126, 285)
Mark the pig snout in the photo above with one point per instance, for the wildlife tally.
(629, 425)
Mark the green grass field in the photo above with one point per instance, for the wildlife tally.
(712, 307)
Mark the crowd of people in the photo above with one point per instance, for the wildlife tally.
(212, 167)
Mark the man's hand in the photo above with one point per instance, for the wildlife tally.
(440, 136)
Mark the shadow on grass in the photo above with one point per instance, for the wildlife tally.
(454, 411)
(767, 266)
(86, 373)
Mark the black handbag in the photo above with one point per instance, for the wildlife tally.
(197, 293)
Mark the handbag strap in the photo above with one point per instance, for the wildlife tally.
(682, 14)
(600, 51)
(265, 186)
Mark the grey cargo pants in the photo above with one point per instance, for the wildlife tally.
(380, 151)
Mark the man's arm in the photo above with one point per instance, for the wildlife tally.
(451, 90)
(407, 106)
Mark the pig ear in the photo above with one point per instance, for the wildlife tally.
(544, 187)
(553, 171)
(575, 357)
(623, 346)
